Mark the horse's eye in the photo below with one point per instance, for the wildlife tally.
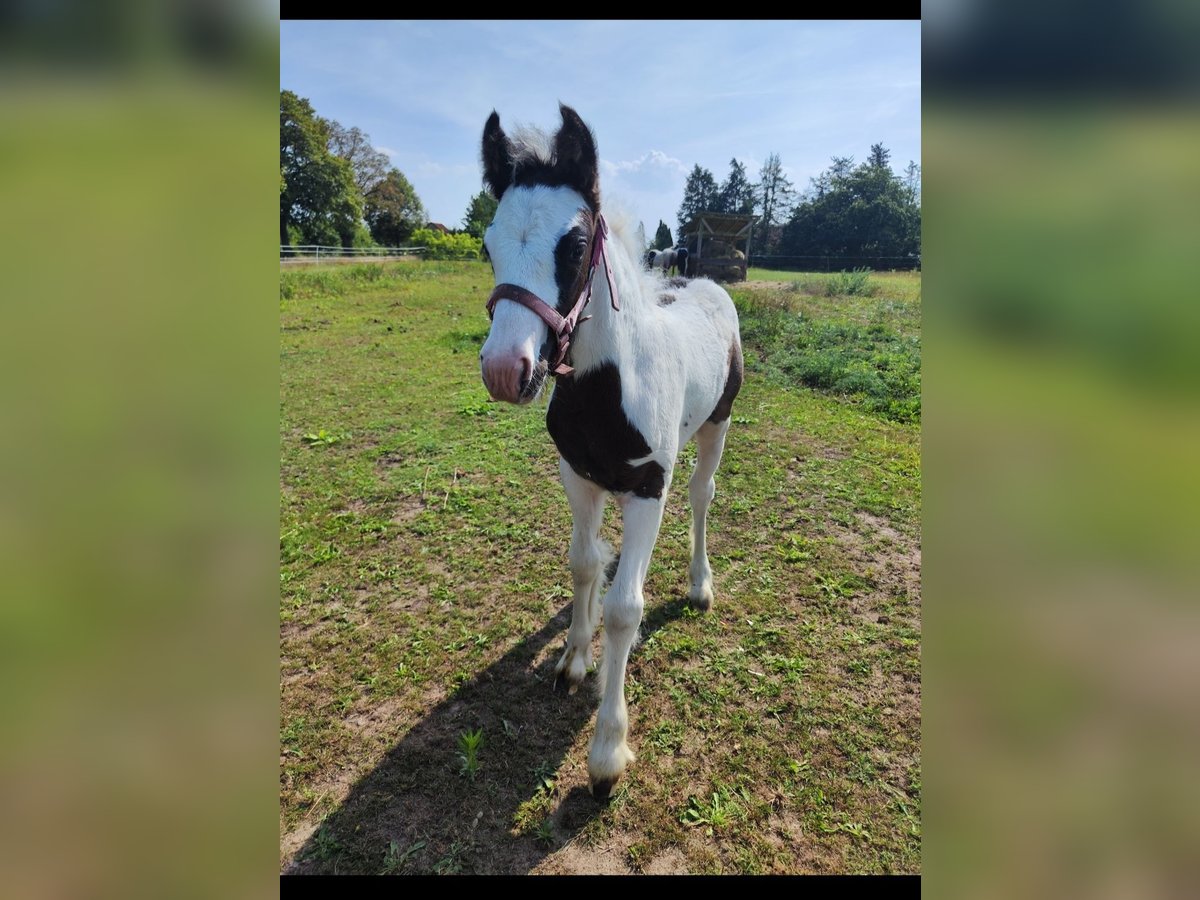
(577, 250)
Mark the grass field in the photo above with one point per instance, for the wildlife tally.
(425, 597)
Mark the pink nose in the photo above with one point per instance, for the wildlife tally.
(506, 376)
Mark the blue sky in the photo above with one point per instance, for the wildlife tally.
(660, 96)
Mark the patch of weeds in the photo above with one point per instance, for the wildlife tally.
(324, 845)
(395, 859)
(469, 743)
(798, 767)
(681, 645)
(856, 283)
(871, 365)
(475, 408)
(748, 862)
(634, 690)
(543, 776)
(324, 553)
(637, 854)
(859, 667)
(451, 863)
(291, 734)
(323, 438)
(667, 737)
(792, 667)
(535, 809)
(841, 586)
(716, 813)
(854, 829)
(795, 549)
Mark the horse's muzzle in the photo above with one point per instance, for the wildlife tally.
(533, 387)
(507, 377)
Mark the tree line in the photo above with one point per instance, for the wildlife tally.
(861, 212)
(335, 189)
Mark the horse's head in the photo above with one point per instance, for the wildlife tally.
(538, 245)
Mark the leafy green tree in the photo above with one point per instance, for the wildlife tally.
(480, 212)
(320, 197)
(737, 193)
(865, 215)
(699, 195)
(393, 210)
(662, 237)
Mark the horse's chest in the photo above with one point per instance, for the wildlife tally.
(596, 438)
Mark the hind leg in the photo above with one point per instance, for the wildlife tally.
(589, 556)
(710, 442)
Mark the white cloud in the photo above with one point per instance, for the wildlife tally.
(653, 159)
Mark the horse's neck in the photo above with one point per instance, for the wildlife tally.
(601, 338)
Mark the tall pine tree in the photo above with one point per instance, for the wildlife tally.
(662, 237)
(699, 195)
(737, 193)
(774, 196)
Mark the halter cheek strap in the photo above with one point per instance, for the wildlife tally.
(562, 327)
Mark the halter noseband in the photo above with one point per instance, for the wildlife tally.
(563, 326)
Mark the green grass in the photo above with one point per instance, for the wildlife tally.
(469, 743)
(425, 596)
(855, 335)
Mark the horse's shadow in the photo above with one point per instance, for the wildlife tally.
(417, 812)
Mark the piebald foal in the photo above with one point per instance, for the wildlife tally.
(653, 364)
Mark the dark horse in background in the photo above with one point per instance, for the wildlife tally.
(671, 260)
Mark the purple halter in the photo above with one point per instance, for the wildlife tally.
(563, 326)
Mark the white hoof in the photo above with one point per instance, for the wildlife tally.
(572, 666)
(606, 766)
(701, 596)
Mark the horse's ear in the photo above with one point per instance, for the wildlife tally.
(575, 156)
(497, 156)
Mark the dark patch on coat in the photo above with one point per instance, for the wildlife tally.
(610, 571)
(570, 273)
(681, 258)
(666, 299)
(733, 384)
(596, 438)
(677, 282)
(570, 265)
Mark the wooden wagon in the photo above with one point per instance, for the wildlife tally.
(718, 245)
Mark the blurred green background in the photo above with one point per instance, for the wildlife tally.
(1062, 324)
(139, 449)
(1061, 441)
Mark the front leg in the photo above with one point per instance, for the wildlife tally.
(589, 555)
(623, 605)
